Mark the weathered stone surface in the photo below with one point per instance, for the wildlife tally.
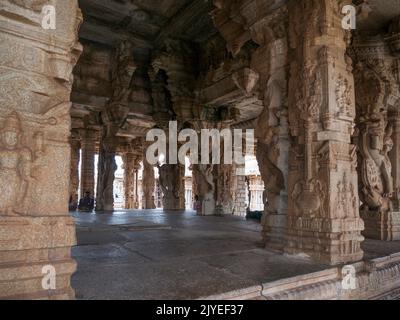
(35, 86)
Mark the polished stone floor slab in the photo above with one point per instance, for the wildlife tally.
(177, 255)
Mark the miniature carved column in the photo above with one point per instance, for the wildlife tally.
(74, 172)
(87, 166)
(323, 213)
(36, 230)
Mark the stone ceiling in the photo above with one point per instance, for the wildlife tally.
(381, 13)
(145, 22)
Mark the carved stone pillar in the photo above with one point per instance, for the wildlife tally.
(148, 182)
(74, 171)
(113, 116)
(88, 144)
(378, 100)
(106, 173)
(171, 183)
(270, 61)
(323, 213)
(129, 180)
(224, 182)
(394, 120)
(136, 168)
(205, 188)
(239, 189)
(36, 232)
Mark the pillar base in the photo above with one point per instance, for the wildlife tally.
(208, 207)
(27, 244)
(274, 230)
(333, 241)
(381, 226)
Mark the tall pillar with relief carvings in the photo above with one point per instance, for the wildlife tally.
(377, 135)
(36, 231)
(323, 213)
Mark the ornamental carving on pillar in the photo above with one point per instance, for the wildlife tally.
(375, 87)
(15, 167)
(343, 96)
(170, 179)
(346, 201)
(20, 165)
(376, 170)
(148, 183)
(205, 186)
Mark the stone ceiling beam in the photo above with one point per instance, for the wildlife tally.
(184, 18)
(110, 36)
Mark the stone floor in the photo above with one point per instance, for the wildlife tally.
(178, 255)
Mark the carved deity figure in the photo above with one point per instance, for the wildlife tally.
(15, 167)
(376, 169)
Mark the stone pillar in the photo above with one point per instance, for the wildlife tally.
(114, 115)
(106, 174)
(270, 61)
(203, 175)
(225, 204)
(36, 230)
(88, 144)
(148, 182)
(394, 120)
(74, 171)
(377, 97)
(136, 168)
(239, 189)
(323, 213)
(171, 183)
(129, 180)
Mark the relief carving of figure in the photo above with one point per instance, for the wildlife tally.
(15, 167)
(376, 169)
